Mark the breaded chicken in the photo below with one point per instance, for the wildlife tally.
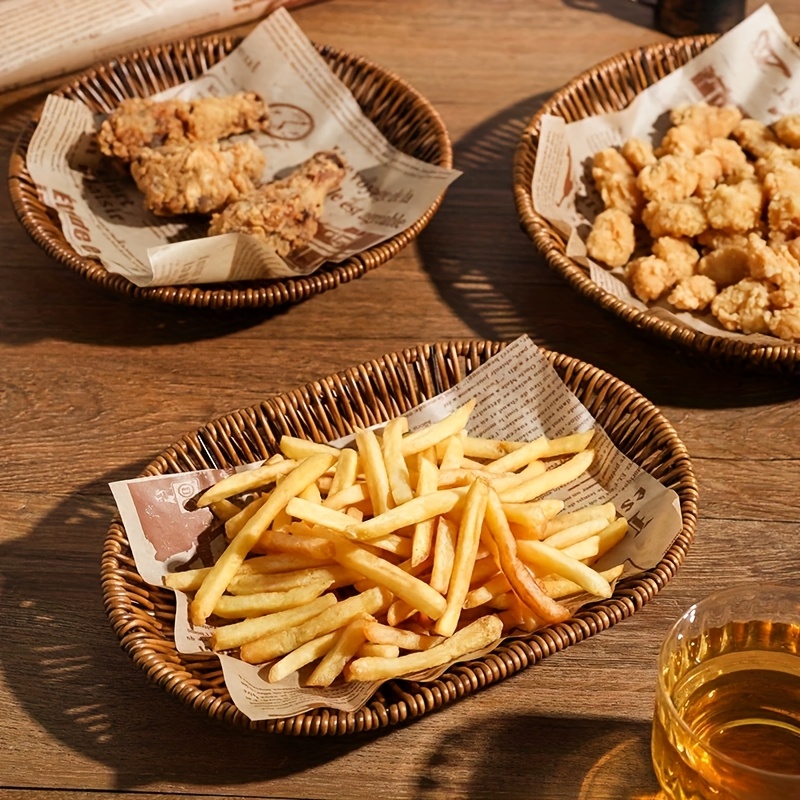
(285, 214)
(743, 307)
(612, 239)
(694, 293)
(140, 122)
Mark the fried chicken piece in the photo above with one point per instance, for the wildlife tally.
(200, 177)
(681, 140)
(725, 265)
(694, 293)
(755, 138)
(737, 207)
(785, 323)
(782, 187)
(712, 239)
(285, 214)
(743, 307)
(669, 179)
(709, 172)
(649, 277)
(612, 239)
(710, 122)
(140, 122)
(732, 159)
(683, 218)
(775, 264)
(616, 182)
(638, 153)
(787, 129)
(787, 296)
(679, 254)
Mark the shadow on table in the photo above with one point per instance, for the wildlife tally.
(62, 662)
(493, 277)
(640, 13)
(538, 757)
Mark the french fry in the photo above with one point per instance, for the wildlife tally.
(345, 472)
(561, 587)
(612, 535)
(353, 495)
(444, 551)
(576, 533)
(549, 559)
(452, 424)
(379, 650)
(532, 518)
(398, 612)
(330, 619)
(396, 467)
(488, 591)
(237, 522)
(415, 592)
(605, 511)
(369, 451)
(472, 638)
(228, 637)
(344, 648)
(318, 514)
(585, 549)
(224, 509)
(297, 449)
(284, 581)
(427, 482)
(518, 575)
(552, 479)
(469, 536)
(420, 508)
(261, 603)
(246, 481)
(300, 656)
(406, 640)
(488, 449)
(452, 453)
(275, 541)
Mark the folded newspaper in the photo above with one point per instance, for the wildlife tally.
(755, 66)
(519, 397)
(311, 110)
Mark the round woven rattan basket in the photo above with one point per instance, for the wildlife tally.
(404, 117)
(143, 615)
(611, 86)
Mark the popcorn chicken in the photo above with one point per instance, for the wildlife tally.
(649, 277)
(682, 218)
(725, 265)
(638, 154)
(787, 129)
(782, 187)
(732, 159)
(743, 307)
(679, 255)
(669, 179)
(755, 137)
(612, 239)
(710, 122)
(735, 208)
(616, 182)
(785, 324)
(709, 172)
(682, 140)
(775, 264)
(693, 293)
(200, 177)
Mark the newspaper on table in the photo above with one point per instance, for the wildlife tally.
(755, 66)
(519, 396)
(47, 38)
(102, 213)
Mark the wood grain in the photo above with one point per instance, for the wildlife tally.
(93, 386)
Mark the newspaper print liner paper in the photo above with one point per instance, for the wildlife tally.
(755, 66)
(519, 396)
(102, 214)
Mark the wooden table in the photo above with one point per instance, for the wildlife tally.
(93, 386)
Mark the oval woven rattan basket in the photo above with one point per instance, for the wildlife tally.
(404, 117)
(142, 615)
(611, 86)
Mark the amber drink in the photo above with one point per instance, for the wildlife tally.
(727, 717)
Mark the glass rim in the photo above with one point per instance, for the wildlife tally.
(664, 695)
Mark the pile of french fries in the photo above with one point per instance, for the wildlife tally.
(399, 554)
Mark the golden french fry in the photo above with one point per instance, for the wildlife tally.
(254, 583)
(420, 508)
(452, 452)
(369, 451)
(224, 509)
(511, 462)
(396, 467)
(379, 650)
(296, 448)
(225, 568)
(300, 656)
(318, 514)
(227, 637)
(427, 481)
(585, 549)
(415, 592)
(344, 648)
(529, 520)
(612, 535)
(275, 541)
(261, 603)
(576, 533)
(399, 611)
(444, 551)
(469, 536)
(488, 449)
(237, 522)
(406, 640)
(311, 493)
(353, 495)
(452, 424)
(561, 587)
(336, 616)
(522, 582)
(474, 637)
(549, 559)
(345, 472)
(605, 511)
(246, 481)
(488, 591)
(552, 479)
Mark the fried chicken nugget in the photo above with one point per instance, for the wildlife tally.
(683, 218)
(612, 239)
(735, 207)
(615, 180)
(694, 293)
(755, 138)
(787, 129)
(725, 265)
(743, 307)
(285, 214)
(782, 187)
(141, 122)
(710, 122)
(775, 264)
(669, 179)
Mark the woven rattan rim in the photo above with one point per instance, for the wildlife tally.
(142, 616)
(610, 86)
(404, 117)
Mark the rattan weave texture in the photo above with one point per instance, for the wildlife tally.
(143, 615)
(404, 117)
(610, 86)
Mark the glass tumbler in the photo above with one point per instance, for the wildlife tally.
(727, 715)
